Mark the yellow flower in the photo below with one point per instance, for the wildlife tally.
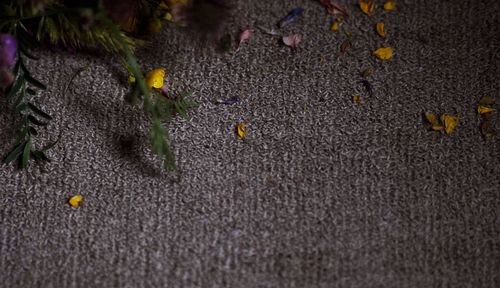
(484, 109)
(241, 129)
(75, 201)
(155, 77)
(384, 53)
(390, 5)
(450, 123)
(367, 7)
(381, 29)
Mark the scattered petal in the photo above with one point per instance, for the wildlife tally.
(335, 26)
(244, 36)
(432, 118)
(155, 78)
(333, 8)
(292, 40)
(368, 7)
(291, 17)
(384, 53)
(381, 29)
(356, 99)
(75, 201)
(483, 110)
(241, 129)
(390, 5)
(450, 123)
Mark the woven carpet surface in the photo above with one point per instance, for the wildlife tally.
(323, 192)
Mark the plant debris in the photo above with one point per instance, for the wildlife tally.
(380, 27)
(244, 36)
(368, 7)
(390, 5)
(446, 123)
(346, 46)
(367, 72)
(356, 99)
(484, 110)
(229, 101)
(291, 17)
(333, 8)
(383, 53)
(336, 24)
(292, 40)
(75, 201)
(241, 130)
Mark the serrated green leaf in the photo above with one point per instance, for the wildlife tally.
(25, 70)
(16, 87)
(35, 82)
(36, 121)
(39, 112)
(15, 153)
(26, 154)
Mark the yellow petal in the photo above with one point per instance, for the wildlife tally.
(155, 77)
(241, 129)
(390, 5)
(367, 7)
(356, 99)
(75, 201)
(450, 123)
(384, 53)
(381, 29)
(484, 109)
(437, 127)
(432, 118)
(335, 26)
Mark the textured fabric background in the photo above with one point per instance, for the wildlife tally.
(322, 193)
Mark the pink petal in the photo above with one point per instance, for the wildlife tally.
(245, 35)
(292, 40)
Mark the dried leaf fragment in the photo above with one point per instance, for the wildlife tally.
(333, 8)
(390, 5)
(383, 53)
(450, 123)
(346, 46)
(241, 130)
(380, 27)
(368, 7)
(483, 110)
(367, 72)
(75, 201)
(486, 100)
